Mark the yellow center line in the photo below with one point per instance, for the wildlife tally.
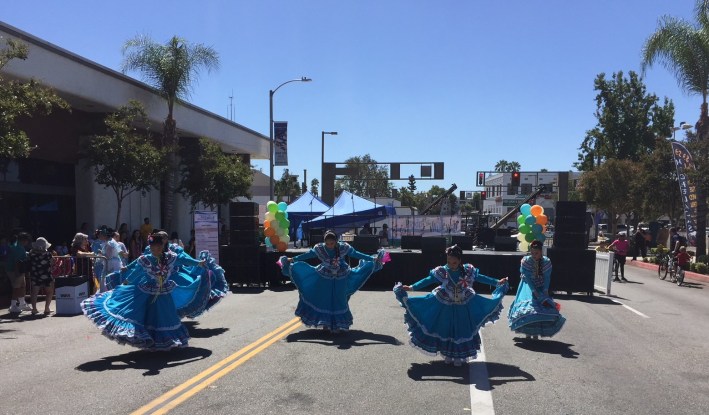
(178, 389)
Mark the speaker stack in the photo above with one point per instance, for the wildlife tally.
(411, 241)
(464, 242)
(433, 251)
(241, 256)
(573, 265)
(366, 244)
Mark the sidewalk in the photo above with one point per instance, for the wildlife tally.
(687, 274)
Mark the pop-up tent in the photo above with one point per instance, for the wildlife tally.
(306, 207)
(349, 211)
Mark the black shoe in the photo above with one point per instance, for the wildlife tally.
(616, 279)
(624, 280)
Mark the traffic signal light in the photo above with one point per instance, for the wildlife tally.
(481, 178)
(515, 178)
(483, 195)
(462, 195)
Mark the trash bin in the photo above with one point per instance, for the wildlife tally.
(69, 292)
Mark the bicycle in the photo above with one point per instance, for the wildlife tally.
(664, 265)
(680, 276)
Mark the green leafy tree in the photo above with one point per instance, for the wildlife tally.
(367, 178)
(682, 47)
(314, 186)
(17, 100)
(211, 177)
(126, 158)
(656, 190)
(507, 166)
(287, 187)
(171, 69)
(607, 187)
(412, 184)
(407, 197)
(628, 120)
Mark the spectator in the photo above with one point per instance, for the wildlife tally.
(145, 230)
(41, 266)
(620, 246)
(175, 239)
(384, 236)
(82, 254)
(15, 266)
(192, 245)
(640, 248)
(135, 245)
(366, 230)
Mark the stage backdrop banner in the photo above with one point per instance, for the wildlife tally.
(687, 189)
(206, 232)
(425, 225)
(280, 142)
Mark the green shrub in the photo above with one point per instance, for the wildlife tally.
(693, 267)
(645, 259)
(703, 259)
(701, 267)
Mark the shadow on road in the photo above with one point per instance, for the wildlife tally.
(151, 362)
(596, 299)
(439, 371)
(199, 333)
(343, 340)
(692, 285)
(547, 346)
(500, 373)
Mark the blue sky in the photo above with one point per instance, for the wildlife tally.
(466, 83)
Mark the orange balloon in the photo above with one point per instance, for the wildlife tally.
(270, 232)
(282, 246)
(266, 224)
(274, 240)
(542, 219)
(544, 228)
(537, 210)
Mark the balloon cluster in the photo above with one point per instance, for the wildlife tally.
(532, 224)
(276, 225)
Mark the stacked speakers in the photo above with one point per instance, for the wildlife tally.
(366, 244)
(411, 241)
(464, 242)
(241, 259)
(570, 226)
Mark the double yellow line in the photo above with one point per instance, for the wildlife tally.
(181, 393)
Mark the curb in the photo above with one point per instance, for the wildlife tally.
(687, 274)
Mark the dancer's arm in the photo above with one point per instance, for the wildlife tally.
(186, 260)
(304, 257)
(421, 284)
(489, 280)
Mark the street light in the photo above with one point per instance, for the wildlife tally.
(270, 127)
(322, 158)
(682, 126)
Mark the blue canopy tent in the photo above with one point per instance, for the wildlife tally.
(306, 207)
(349, 211)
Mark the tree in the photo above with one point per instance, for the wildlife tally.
(211, 177)
(607, 187)
(407, 197)
(507, 166)
(628, 120)
(20, 99)
(171, 69)
(287, 187)
(125, 159)
(367, 178)
(314, 187)
(412, 184)
(683, 49)
(656, 190)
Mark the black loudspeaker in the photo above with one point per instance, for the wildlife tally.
(315, 236)
(243, 223)
(486, 237)
(503, 232)
(577, 241)
(244, 237)
(572, 271)
(243, 209)
(464, 242)
(573, 209)
(505, 243)
(411, 242)
(433, 244)
(366, 244)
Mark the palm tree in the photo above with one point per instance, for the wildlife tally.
(170, 69)
(683, 48)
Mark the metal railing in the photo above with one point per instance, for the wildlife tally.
(604, 272)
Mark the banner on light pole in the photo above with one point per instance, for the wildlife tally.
(688, 190)
(280, 142)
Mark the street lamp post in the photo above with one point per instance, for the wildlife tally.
(322, 158)
(682, 126)
(270, 127)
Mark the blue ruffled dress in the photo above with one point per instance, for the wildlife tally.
(448, 320)
(533, 312)
(142, 312)
(325, 290)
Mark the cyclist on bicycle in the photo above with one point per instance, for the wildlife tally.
(683, 259)
(676, 241)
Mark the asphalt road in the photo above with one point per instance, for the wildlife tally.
(650, 358)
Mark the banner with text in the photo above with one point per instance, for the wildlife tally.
(280, 142)
(424, 225)
(206, 232)
(687, 189)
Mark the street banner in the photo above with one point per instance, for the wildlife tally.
(280, 142)
(206, 232)
(687, 189)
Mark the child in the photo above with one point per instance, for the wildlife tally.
(683, 258)
(448, 320)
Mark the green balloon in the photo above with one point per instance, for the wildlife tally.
(272, 207)
(280, 216)
(520, 220)
(524, 229)
(529, 237)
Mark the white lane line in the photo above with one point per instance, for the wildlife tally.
(480, 392)
(630, 308)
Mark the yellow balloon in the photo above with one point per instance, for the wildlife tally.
(520, 237)
(524, 246)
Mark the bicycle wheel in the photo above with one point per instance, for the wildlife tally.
(662, 269)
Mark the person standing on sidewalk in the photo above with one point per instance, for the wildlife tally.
(41, 265)
(639, 239)
(620, 246)
(15, 266)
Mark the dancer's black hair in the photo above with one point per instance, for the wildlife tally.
(455, 251)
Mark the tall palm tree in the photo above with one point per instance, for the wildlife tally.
(170, 68)
(683, 48)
